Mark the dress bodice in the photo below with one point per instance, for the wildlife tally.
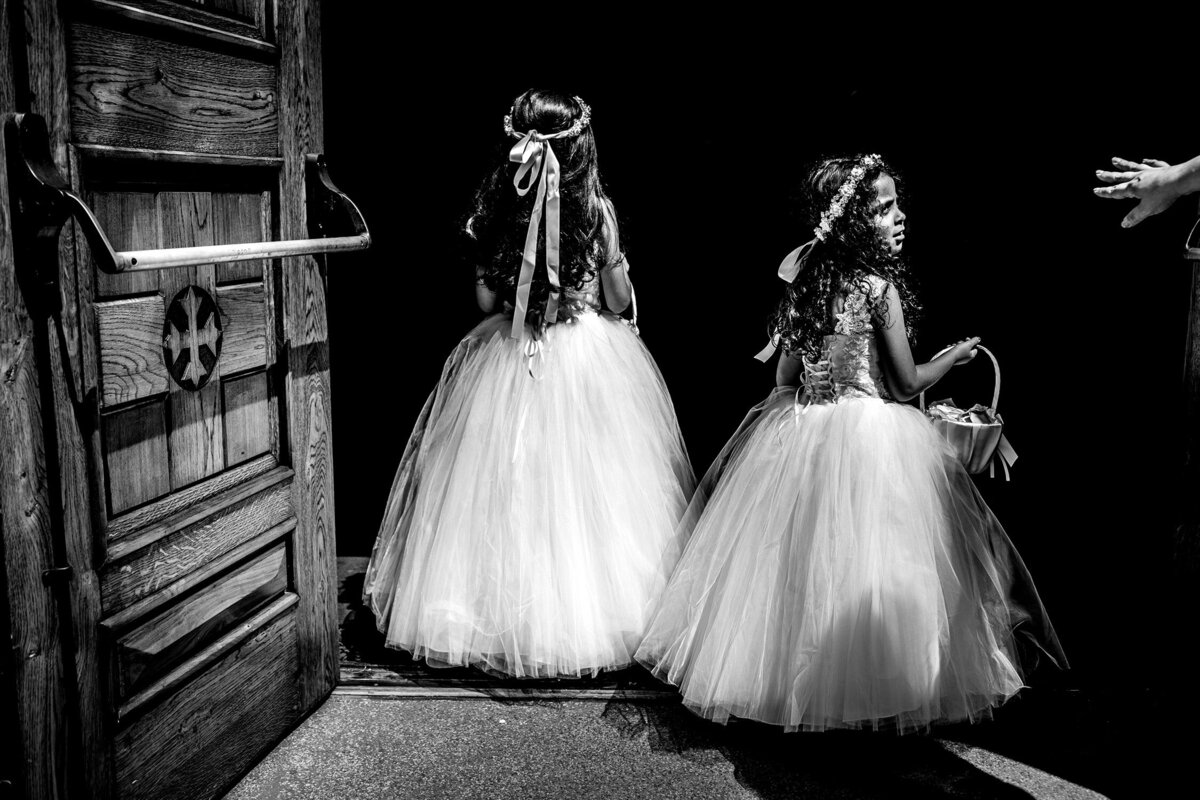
(849, 362)
(582, 300)
(574, 302)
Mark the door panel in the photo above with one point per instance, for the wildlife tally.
(145, 562)
(161, 643)
(197, 483)
(130, 219)
(197, 431)
(247, 405)
(241, 217)
(135, 446)
(191, 503)
(221, 721)
(135, 90)
(244, 325)
(249, 19)
(131, 350)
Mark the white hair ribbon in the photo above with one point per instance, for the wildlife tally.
(789, 269)
(793, 262)
(540, 165)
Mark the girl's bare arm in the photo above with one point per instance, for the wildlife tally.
(904, 378)
(614, 278)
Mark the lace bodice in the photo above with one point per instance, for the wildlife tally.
(849, 362)
(582, 300)
(575, 302)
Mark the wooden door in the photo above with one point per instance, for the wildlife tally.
(171, 442)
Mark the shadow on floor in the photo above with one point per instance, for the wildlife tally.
(838, 764)
(365, 659)
(1119, 744)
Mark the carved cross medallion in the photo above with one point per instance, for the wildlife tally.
(192, 338)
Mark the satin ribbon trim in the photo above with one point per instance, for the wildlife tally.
(765, 354)
(540, 166)
(793, 263)
(535, 351)
(1006, 455)
(789, 269)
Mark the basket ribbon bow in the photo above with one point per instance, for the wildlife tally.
(540, 166)
(1006, 455)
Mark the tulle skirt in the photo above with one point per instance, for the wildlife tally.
(531, 527)
(843, 571)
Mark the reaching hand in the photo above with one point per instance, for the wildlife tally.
(1152, 182)
(964, 352)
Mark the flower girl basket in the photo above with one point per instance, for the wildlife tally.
(977, 433)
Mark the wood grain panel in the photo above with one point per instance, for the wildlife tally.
(139, 157)
(12, 706)
(127, 618)
(12, 762)
(25, 524)
(247, 417)
(197, 438)
(252, 691)
(129, 90)
(131, 350)
(251, 11)
(160, 644)
(238, 218)
(190, 12)
(303, 310)
(133, 575)
(188, 501)
(135, 450)
(130, 221)
(82, 769)
(244, 322)
(160, 689)
(90, 385)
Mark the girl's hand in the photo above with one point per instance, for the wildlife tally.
(964, 352)
(1154, 183)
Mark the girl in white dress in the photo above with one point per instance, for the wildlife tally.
(531, 526)
(843, 570)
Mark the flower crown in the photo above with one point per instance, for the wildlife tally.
(845, 192)
(584, 120)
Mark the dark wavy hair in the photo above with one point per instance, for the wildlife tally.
(852, 251)
(500, 217)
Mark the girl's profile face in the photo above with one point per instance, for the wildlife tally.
(888, 216)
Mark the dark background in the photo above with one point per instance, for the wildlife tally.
(701, 150)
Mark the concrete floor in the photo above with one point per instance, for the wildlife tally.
(396, 728)
(398, 745)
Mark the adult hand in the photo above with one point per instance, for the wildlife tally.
(1152, 182)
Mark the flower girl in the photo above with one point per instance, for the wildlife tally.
(843, 571)
(531, 526)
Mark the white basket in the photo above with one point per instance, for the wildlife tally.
(976, 443)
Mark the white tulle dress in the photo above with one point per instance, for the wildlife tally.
(843, 570)
(532, 524)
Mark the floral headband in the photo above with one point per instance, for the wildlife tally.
(845, 192)
(532, 152)
(794, 261)
(576, 128)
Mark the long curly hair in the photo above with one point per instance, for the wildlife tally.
(500, 218)
(852, 252)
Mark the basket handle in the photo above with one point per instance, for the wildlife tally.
(995, 366)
